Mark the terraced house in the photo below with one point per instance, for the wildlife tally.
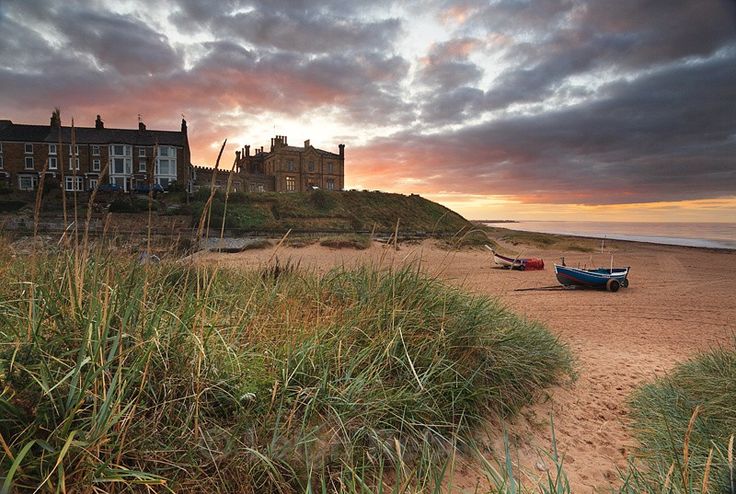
(283, 168)
(124, 157)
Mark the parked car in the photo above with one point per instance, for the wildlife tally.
(146, 188)
(109, 188)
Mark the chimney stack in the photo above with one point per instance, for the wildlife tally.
(99, 124)
(306, 144)
(237, 156)
(55, 119)
(272, 139)
(183, 126)
(247, 150)
(342, 150)
(141, 126)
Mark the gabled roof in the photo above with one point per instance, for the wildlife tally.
(90, 135)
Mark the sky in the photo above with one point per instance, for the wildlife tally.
(500, 109)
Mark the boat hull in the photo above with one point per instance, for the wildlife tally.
(591, 278)
(521, 264)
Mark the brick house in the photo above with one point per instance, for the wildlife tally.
(124, 157)
(283, 168)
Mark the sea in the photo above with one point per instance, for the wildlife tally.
(709, 235)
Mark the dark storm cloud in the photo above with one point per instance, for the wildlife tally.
(669, 135)
(299, 26)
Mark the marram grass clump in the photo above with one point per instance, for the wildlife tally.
(686, 423)
(127, 377)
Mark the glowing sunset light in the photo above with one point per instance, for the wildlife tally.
(498, 109)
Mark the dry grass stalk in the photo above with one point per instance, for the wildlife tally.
(205, 211)
(706, 474)
(39, 199)
(227, 195)
(686, 447)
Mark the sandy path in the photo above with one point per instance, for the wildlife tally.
(680, 302)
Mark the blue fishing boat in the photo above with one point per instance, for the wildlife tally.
(610, 279)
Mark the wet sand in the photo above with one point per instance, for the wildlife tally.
(680, 301)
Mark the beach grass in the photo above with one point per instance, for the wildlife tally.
(346, 241)
(685, 423)
(124, 376)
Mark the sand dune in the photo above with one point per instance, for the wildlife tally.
(680, 302)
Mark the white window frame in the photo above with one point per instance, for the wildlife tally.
(26, 161)
(2, 164)
(28, 148)
(142, 165)
(53, 163)
(93, 183)
(76, 150)
(52, 150)
(32, 178)
(290, 184)
(166, 154)
(96, 165)
(70, 164)
(74, 183)
(95, 149)
(121, 155)
(142, 152)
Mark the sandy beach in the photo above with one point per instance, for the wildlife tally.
(679, 303)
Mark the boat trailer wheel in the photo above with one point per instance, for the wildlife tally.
(625, 282)
(612, 285)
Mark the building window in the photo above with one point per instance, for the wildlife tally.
(53, 163)
(2, 165)
(329, 167)
(52, 149)
(165, 172)
(73, 184)
(76, 150)
(290, 165)
(29, 148)
(121, 164)
(311, 166)
(142, 167)
(120, 150)
(92, 183)
(96, 165)
(27, 182)
(74, 163)
(29, 163)
(95, 150)
(142, 152)
(330, 184)
(290, 184)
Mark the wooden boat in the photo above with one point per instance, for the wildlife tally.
(516, 263)
(610, 279)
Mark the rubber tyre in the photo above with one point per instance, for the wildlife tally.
(612, 285)
(522, 267)
(625, 283)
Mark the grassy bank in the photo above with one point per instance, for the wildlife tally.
(686, 421)
(117, 375)
(323, 210)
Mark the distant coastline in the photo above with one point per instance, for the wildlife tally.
(702, 235)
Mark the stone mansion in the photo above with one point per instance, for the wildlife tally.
(283, 168)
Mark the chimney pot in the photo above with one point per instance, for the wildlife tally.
(306, 144)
